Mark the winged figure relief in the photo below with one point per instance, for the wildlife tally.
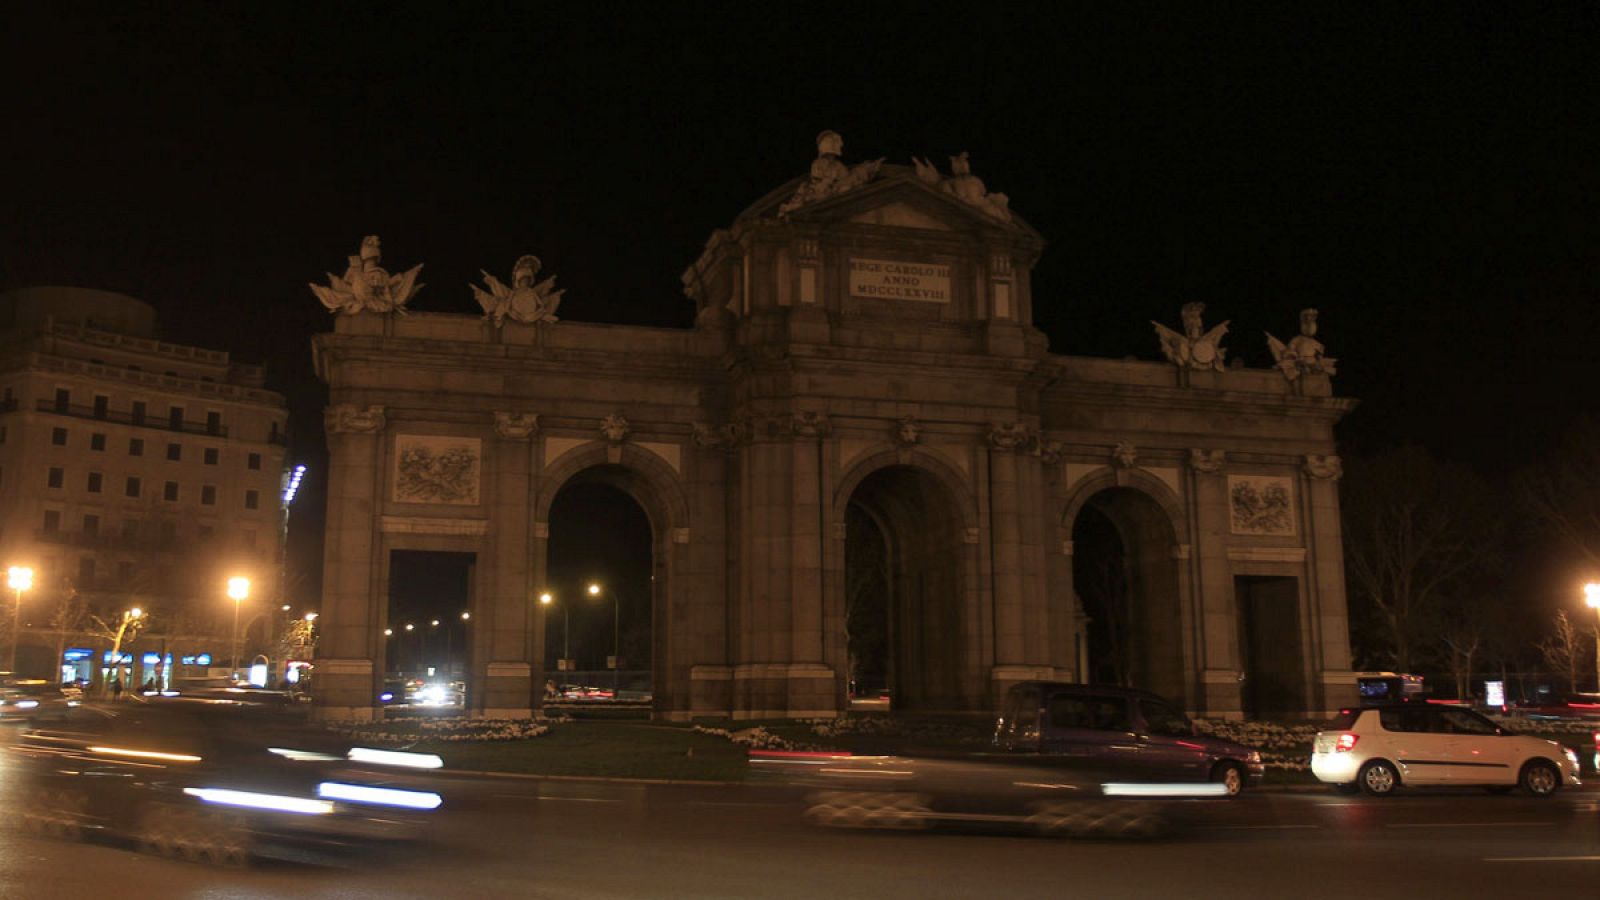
(524, 300)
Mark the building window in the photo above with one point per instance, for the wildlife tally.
(138, 412)
(174, 452)
(85, 571)
(63, 400)
(91, 524)
(97, 441)
(212, 455)
(213, 423)
(250, 538)
(58, 436)
(170, 492)
(56, 476)
(124, 572)
(95, 479)
(133, 487)
(136, 446)
(175, 418)
(52, 521)
(102, 405)
(273, 435)
(2, 434)
(252, 499)
(169, 532)
(207, 531)
(130, 529)
(254, 461)
(208, 495)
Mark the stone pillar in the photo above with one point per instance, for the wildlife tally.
(1335, 683)
(780, 671)
(1011, 663)
(347, 679)
(501, 665)
(1209, 571)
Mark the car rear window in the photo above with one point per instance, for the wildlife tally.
(1344, 721)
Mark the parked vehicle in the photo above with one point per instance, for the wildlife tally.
(1379, 749)
(1129, 729)
(207, 782)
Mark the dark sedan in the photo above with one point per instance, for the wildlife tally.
(208, 781)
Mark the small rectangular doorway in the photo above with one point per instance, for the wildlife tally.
(1271, 655)
(428, 636)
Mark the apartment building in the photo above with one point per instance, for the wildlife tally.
(133, 472)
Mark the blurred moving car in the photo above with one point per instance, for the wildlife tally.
(1560, 706)
(32, 700)
(1378, 749)
(209, 781)
(1054, 798)
(1120, 727)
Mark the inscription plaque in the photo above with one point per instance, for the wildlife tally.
(886, 279)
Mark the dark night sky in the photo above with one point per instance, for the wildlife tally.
(1426, 175)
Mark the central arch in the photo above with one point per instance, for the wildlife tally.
(905, 581)
(651, 484)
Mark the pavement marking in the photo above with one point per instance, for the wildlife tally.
(551, 797)
(733, 803)
(1470, 825)
(1541, 859)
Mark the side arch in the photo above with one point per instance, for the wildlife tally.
(953, 479)
(662, 494)
(1079, 494)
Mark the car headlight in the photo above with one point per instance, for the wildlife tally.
(27, 704)
(1254, 758)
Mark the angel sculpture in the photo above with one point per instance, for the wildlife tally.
(829, 176)
(524, 300)
(1195, 348)
(367, 286)
(963, 185)
(1304, 354)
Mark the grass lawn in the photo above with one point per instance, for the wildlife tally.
(603, 749)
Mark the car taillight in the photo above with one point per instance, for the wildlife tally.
(1597, 741)
(1346, 742)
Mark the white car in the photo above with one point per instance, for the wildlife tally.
(1378, 749)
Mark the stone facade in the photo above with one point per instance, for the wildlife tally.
(869, 345)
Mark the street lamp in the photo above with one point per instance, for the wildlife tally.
(545, 599)
(19, 579)
(1591, 596)
(238, 590)
(616, 634)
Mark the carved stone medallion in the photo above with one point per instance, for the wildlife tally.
(347, 418)
(516, 426)
(1330, 467)
(1208, 461)
(614, 428)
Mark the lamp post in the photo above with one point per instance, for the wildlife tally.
(616, 634)
(545, 599)
(238, 590)
(1591, 597)
(19, 579)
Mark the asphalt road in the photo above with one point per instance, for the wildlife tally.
(567, 839)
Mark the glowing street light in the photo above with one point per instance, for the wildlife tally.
(19, 579)
(410, 627)
(466, 616)
(388, 632)
(133, 618)
(311, 617)
(238, 590)
(545, 599)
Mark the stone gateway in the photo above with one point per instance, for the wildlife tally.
(861, 468)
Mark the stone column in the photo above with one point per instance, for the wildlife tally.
(1325, 590)
(811, 681)
(500, 660)
(1212, 577)
(347, 681)
(1005, 536)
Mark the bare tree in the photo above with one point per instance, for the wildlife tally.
(1563, 649)
(1418, 531)
(1564, 491)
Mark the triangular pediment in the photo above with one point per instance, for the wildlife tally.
(900, 215)
(896, 198)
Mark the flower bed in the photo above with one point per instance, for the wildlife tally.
(1283, 747)
(755, 738)
(454, 729)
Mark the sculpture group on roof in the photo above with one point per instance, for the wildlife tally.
(367, 286)
(1199, 349)
(829, 178)
(524, 300)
